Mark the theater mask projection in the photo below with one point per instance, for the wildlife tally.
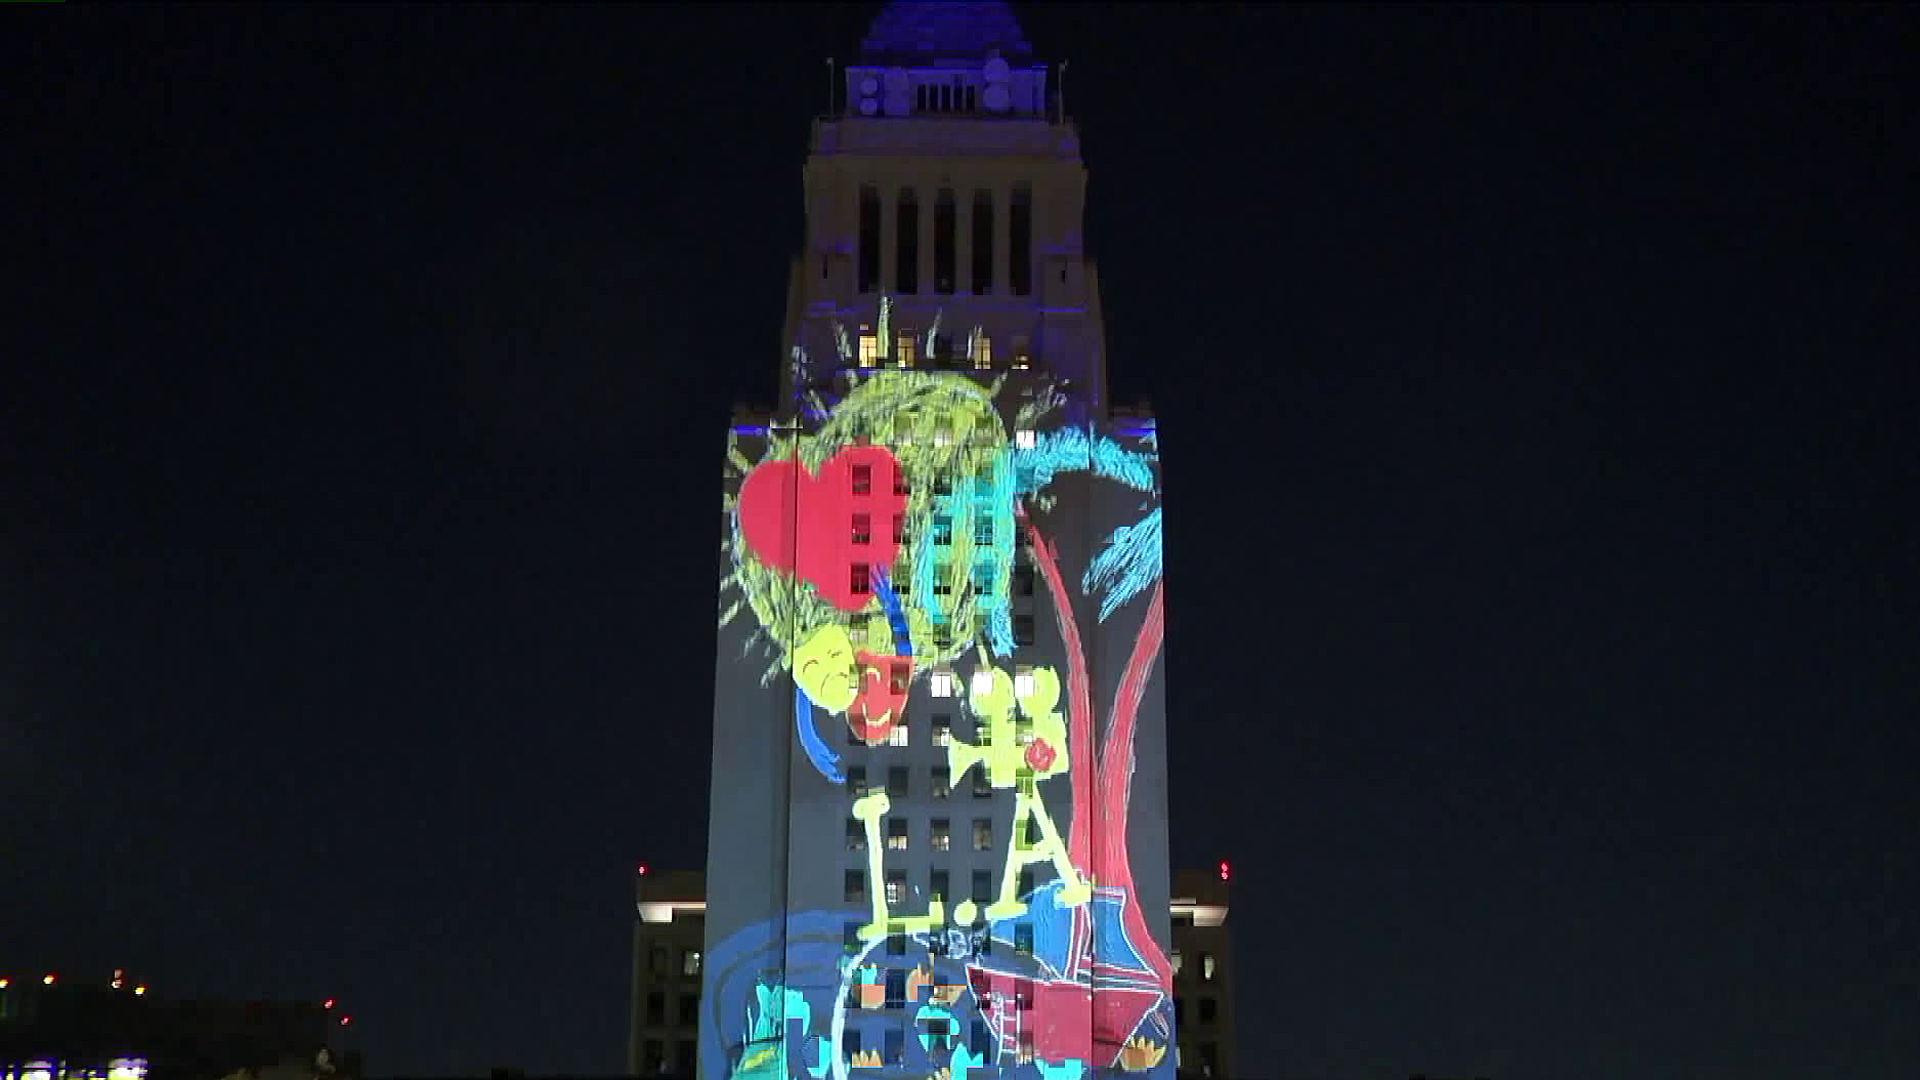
(938, 824)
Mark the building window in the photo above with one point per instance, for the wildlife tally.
(656, 1008)
(943, 222)
(1025, 882)
(896, 944)
(851, 1040)
(896, 990)
(942, 573)
(982, 834)
(1022, 354)
(982, 884)
(906, 242)
(869, 239)
(982, 784)
(1023, 682)
(1208, 1010)
(857, 781)
(685, 1057)
(940, 684)
(939, 835)
(690, 961)
(904, 348)
(897, 734)
(1024, 439)
(937, 884)
(856, 887)
(1206, 967)
(869, 349)
(1179, 1011)
(858, 580)
(896, 834)
(862, 528)
(654, 1059)
(979, 1041)
(1209, 1059)
(1020, 246)
(657, 959)
(1174, 959)
(983, 353)
(1023, 586)
(900, 534)
(1023, 624)
(856, 835)
(943, 530)
(689, 1009)
(940, 783)
(983, 531)
(942, 730)
(1023, 939)
(898, 676)
(942, 483)
(896, 886)
(982, 243)
(897, 781)
(863, 479)
(902, 579)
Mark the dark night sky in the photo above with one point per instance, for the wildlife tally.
(1538, 394)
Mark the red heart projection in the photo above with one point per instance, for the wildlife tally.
(824, 548)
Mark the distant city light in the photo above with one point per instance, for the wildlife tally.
(139, 989)
(49, 979)
(4, 984)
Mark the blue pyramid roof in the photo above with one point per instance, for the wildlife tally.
(907, 32)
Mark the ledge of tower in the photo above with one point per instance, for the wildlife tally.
(907, 32)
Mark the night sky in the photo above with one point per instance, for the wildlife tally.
(1537, 391)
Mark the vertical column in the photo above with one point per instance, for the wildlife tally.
(889, 242)
(929, 206)
(1003, 239)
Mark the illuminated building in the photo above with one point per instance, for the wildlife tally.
(670, 924)
(938, 820)
(75, 1029)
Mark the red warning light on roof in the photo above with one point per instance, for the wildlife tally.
(1223, 871)
(345, 1020)
(327, 1004)
(643, 868)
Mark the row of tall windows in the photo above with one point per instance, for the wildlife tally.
(946, 279)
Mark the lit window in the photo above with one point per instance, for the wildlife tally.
(982, 834)
(982, 786)
(896, 886)
(860, 582)
(863, 528)
(983, 532)
(1175, 960)
(902, 579)
(983, 353)
(690, 962)
(896, 836)
(869, 350)
(1023, 683)
(940, 684)
(897, 734)
(900, 485)
(942, 730)
(940, 784)
(1024, 439)
(942, 434)
(1206, 966)
(941, 585)
(856, 835)
(857, 781)
(942, 483)
(1022, 359)
(983, 681)
(943, 531)
(939, 836)
(903, 348)
(863, 479)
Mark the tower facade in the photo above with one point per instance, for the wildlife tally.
(938, 828)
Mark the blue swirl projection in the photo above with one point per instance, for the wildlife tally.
(1128, 567)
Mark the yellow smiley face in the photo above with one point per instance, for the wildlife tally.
(823, 666)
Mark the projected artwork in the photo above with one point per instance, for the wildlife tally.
(894, 553)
